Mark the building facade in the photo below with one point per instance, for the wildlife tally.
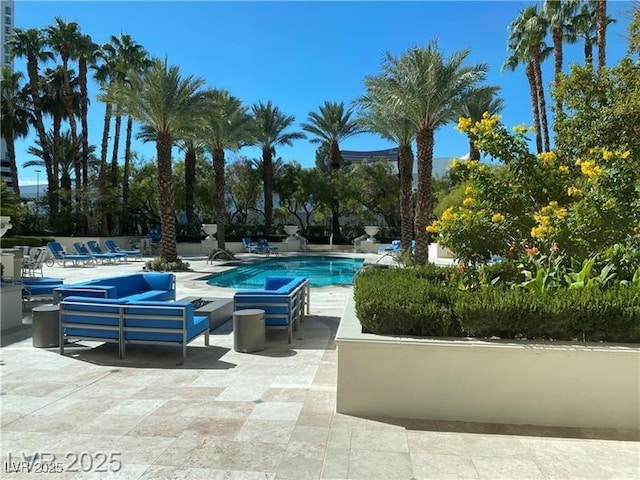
(8, 13)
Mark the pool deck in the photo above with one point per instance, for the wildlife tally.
(267, 415)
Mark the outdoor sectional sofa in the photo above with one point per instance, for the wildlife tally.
(283, 300)
(130, 322)
(133, 287)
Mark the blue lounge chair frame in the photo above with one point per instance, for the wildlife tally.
(61, 256)
(95, 249)
(111, 246)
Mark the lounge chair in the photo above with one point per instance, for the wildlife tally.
(95, 249)
(395, 246)
(250, 246)
(30, 265)
(61, 256)
(113, 248)
(82, 249)
(268, 249)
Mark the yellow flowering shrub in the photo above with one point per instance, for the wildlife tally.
(542, 201)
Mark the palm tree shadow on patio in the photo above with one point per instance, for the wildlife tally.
(150, 356)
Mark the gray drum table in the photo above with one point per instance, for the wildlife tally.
(46, 326)
(249, 331)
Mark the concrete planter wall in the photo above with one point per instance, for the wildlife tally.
(554, 384)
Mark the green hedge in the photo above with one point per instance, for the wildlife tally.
(424, 302)
(10, 242)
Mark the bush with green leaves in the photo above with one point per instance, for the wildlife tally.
(160, 264)
(427, 302)
(394, 301)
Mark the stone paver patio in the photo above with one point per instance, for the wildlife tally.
(267, 415)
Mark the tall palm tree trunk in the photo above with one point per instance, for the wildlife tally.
(557, 62)
(601, 19)
(334, 168)
(102, 176)
(165, 196)
(34, 89)
(544, 126)
(124, 221)
(405, 170)
(267, 175)
(534, 106)
(424, 139)
(57, 126)
(588, 51)
(84, 101)
(189, 184)
(474, 153)
(113, 174)
(11, 153)
(218, 196)
(114, 154)
(71, 117)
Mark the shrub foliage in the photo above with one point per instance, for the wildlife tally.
(426, 301)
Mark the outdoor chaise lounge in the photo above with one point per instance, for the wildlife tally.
(95, 249)
(61, 256)
(113, 248)
(283, 299)
(250, 246)
(268, 249)
(82, 249)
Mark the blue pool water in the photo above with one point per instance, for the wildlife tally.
(321, 271)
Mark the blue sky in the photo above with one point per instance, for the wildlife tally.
(300, 54)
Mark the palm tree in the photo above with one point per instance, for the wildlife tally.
(329, 127)
(269, 125)
(559, 14)
(121, 57)
(191, 148)
(86, 52)
(64, 38)
(65, 166)
(602, 22)
(478, 101)
(169, 105)
(16, 117)
(227, 127)
(428, 90)
(584, 25)
(31, 44)
(380, 116)
(526, 43)
(53, 104)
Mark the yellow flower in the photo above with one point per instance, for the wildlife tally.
(433, 228)
(522, 128)
(607, 154)
(472, 164)
(573, 191)
(625, 154)
(468, 190)
(454, 164)
(561, 213)
(538, 232)
(590, 169)
(547, 158)
(497, 218)
(448, 214)
(468, 201)
(563, 169)
(463, 124)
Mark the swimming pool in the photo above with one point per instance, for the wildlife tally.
(320, 270)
